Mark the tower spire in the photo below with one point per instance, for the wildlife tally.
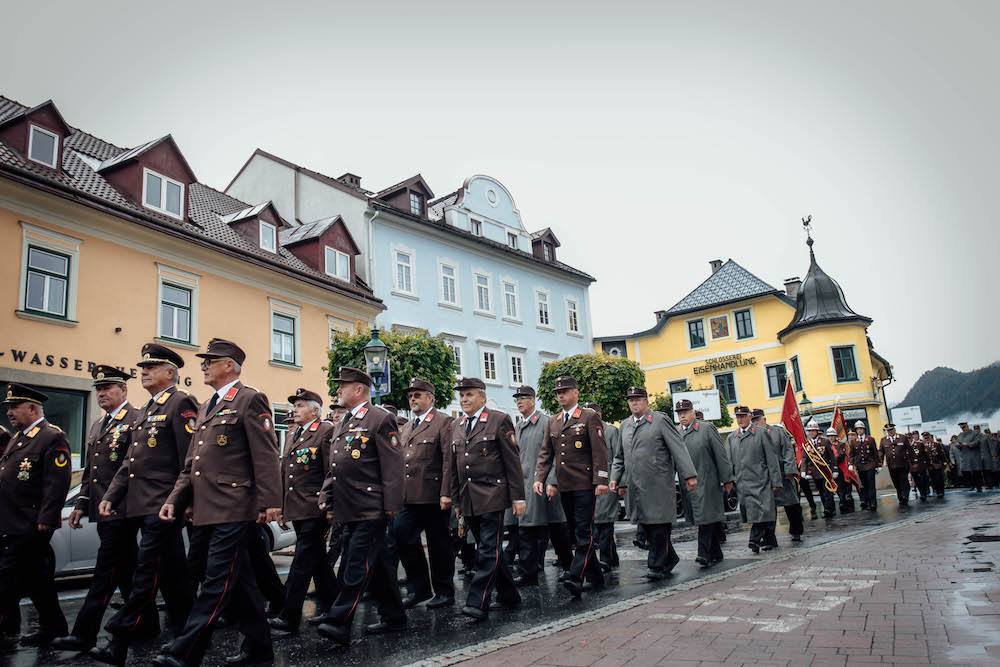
(807, 225)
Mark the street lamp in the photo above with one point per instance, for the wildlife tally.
(804, 406)
(375, 353)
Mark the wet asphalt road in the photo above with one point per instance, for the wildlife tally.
(432, 632)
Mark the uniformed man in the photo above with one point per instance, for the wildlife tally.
(540, 512)
(653, 455)
(897, 453)
(35, 475)
(866, 457)
(758, 475)
(363, 489)
(157, 443)
(967, 452)
(303, 469)
(426, 444)
(937, 462)
(606, 507)
(715, 477)
(788, 497)
(816, 452)
(107, 446)
(994, 456)
(841, 470)
(919, 463)
(985, 457)
(486, 478)
(576, 443)
(232, 481)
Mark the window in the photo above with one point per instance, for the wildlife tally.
(543, 308)
(416, 204)
(776, 376)
(572, 320)
(744, 324)
(449, 291)
(512, 239)
(175, 313)
(47, 282)
(726, 384)
(482, 293)
(844, 367)
(510, 300)
(477, 227)
(267, 237)
(167, 196)
(547, 251)
(489, 366)
(796, 375)
(404, 272)
(456, 349)
(43, 146)
(282, 338)
(678, 385)
(338, 264)
(516, 369)
(696, 333)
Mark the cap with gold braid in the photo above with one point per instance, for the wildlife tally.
(154, 354)
(105, 374)
(18, 393)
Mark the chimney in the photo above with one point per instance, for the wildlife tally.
(660, 315)
(792, 286)
(716, 264)
(350, 179)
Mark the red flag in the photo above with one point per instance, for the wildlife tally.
(793, 422)
(840, 424)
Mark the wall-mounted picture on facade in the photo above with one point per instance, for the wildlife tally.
(719, 326)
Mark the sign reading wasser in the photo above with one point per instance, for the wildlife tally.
(722, 363)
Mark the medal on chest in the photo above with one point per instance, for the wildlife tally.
(151, 441)
(24, 473)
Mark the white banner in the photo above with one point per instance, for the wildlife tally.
(935, 428)
(706, 400)
(908, 416)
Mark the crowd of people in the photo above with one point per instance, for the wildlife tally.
(365, 488)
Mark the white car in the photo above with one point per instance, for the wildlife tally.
(76, 550)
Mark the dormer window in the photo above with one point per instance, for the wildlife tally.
(416, 204)
(268, 237)
(163, 194)
(338, 264)
(43, 146)
(547, 250)
(477, 227)
(512, 240)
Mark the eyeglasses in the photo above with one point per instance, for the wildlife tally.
(205, 363)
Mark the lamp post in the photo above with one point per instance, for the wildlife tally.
(375, 355)
(804, 406)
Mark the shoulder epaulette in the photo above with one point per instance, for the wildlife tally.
(56, 427)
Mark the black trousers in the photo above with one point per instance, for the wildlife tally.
(606, 543)
(825, 495)
(364, 565)
(973, 479)
(492, 570)
(901, 480)
(389, 548)
(868, 496)
(805, 489)
(27, 568)
(936, 476)
(709, 541)
(579, 509)
(922, 482)
(335, 549)
(763, 533)
(511, 550)
(264, 571)
(308, 564)
(531, 542)
(795, 523)
(115, 567)
(433, 522)
(562, 543)
(662, 556)
(160, 565)
(846, 495)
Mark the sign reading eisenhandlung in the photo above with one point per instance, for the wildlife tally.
(722, 363)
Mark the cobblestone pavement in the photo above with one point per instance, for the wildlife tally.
(920, 591)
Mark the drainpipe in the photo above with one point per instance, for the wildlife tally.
(370, 277)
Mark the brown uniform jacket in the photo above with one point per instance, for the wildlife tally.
(303, 469)
(919, 460)
(580, 449)
(232, 470)
(485, 466)
(897, 454)
(157, 444)
(426, 459)
(35, 473)
(937, 455)
(865, 454)
(365, 479)
(825, 449)
(107, 447)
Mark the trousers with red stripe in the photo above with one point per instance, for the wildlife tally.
(229, 585)
(579, 509)
(492, 570)
(364, 566)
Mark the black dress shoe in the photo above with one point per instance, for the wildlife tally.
(167, 660)
(575, 588)
(72, 643)
(754, 547)
(439, 601)
(521, 581)
(255, 656)
(316, 620)
(655, 575)
(338, 633)
(112, 653)
(701, 561)
(476, 614)
(385, 627)
(592, 586)
(605, 568)
(499, 605)
(222, 621)
(411, 601)
(672, 561)
(796, 538)
(39, 638)
(641, 545)
(564, 575)
(282, 625)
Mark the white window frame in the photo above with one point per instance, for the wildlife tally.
(504, 283)
(179, 278)
(512, 239)
(476, 227)
(293, 312)
(687, 333)
(163, 196)
(753, 322)
(335, 324)
(518, 354)
(494, 350)
(457, 303)
(729, 328)
(338, 256)
(272, 232)
(476, 275)
(791, 370)
(685, 380)
(420, 203)
(767, 380)
(397, 288)
(833, 366)
(736, 386)
(548, 309)
(33, 235)
(31, 144)
(457, 342)
(578, 332)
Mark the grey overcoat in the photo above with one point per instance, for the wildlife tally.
(757, 472)
(540, 511)
(784, 450)
(968, 457)
(711, 460)
(606, 508)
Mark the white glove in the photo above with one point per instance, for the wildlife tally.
(803, 475)
(850, 467)
(836, 475)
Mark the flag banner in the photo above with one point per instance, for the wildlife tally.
(792, 422)
(840, 424)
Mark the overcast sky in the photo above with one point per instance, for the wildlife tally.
(652, 137)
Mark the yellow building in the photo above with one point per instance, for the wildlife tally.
(106, 249)
(740, 335)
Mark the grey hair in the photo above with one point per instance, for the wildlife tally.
(314, 406)
(236, 366)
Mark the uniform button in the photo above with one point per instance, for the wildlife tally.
(234, 483)
(95, 479)
(467, 453)
(130, 476)
(291, 465)
(136, 444)
(203, 428)
(96, 454)
(201, 442)
(466, 467)
(562, 463)
(198, 474)
(197, 458)
(291, 476)
(498, 481)
(95, 467)
(132, 459)
(407, 465)
(223, 421)
(289, 488)
(335, 451)
(334, 465)
(334, 479)
(369, 488)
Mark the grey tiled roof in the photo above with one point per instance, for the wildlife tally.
(306, 231)
(730, 283)
(435, 209)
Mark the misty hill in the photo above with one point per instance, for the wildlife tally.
(944, 392)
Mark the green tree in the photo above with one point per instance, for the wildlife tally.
(603, 379)
(411, 354)
(662, 403)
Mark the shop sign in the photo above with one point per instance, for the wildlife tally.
(723, 363)
(54, 361)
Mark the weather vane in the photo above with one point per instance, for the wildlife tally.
(807, 225)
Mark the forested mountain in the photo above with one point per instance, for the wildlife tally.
(944, 392)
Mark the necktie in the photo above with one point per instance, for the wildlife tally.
(469, 423)
(213, 401)
(416, 423)
(298, 434)
(107, 420)
(565, 417)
